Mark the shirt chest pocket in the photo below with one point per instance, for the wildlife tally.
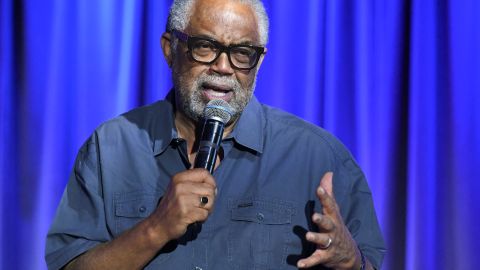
(131, 208)
(260, 233)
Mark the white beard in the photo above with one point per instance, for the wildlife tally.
(193, 103)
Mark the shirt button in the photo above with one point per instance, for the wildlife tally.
(197, 268)
(260, 216)
(142, 209)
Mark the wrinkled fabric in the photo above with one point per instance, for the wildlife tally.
(267, 182)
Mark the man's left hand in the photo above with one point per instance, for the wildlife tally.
(336, 248)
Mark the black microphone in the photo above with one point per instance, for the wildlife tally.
(217, 114)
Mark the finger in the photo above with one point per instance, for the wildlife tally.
(199, 189)
(205, 176)
(322, 240)
(327, 183)
(195, 175)
(325, 195)
(190, 194)
(324, 223)
(186, 196)
(198, 199)
(205, 196)
(199, 215)
(206, 202)
(193, 189)
(191, 204)
(316, 258)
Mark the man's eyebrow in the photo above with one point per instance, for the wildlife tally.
(204, 36)
(244, 42)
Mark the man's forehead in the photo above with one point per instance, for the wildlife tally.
(231, 21)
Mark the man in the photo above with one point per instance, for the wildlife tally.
(284, 194)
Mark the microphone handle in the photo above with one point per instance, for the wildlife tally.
(209, 143)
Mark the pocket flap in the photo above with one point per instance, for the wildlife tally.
(137, 205)
(261, 211)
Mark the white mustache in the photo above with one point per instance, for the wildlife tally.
(216, 80)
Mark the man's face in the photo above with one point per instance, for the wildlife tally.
(196, 83)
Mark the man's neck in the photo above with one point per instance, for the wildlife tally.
(186, 129)
(190, 130)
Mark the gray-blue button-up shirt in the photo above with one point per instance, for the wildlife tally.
(272, 166)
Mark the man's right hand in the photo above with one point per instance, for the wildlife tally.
(181, 205)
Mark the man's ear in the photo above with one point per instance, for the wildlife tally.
(166, 43)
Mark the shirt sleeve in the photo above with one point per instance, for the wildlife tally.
(357, 209)
(80, 221)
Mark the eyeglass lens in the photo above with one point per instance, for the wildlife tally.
(206, 51)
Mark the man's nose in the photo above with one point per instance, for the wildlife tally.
(222, 65)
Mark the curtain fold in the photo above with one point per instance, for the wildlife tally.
(397, 81)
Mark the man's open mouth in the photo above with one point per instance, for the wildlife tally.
(217, 92)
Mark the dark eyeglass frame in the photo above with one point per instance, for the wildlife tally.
(190, 40)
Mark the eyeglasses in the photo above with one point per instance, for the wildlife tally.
(207, 51)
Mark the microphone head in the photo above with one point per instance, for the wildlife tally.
(218, 109)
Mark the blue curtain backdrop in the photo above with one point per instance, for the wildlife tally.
(398, 81)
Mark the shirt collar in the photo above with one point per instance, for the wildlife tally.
(248, 130)
(164, 128)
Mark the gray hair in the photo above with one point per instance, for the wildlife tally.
(180, 13)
